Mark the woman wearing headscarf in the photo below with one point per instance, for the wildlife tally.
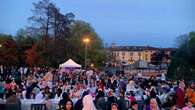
(79, 103)
(88, 103)
(153, 105)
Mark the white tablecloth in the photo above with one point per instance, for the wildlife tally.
(26, 103)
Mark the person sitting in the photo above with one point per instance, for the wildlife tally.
(132, 96)
(39, 95)
(111, 99)
(153, 105)
(100, 101)
(65, 97)
(47, 102)
(12, 99)
(131, 86)
(58, 94)
(68, 105)
(114, 106)
(189, 106)
(122, 102)
(190, 93)
(88, 103)
(47, 92)
(134, 105)
(79, 103)
(2, 90)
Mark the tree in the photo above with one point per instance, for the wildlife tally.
(41, 20)
(24, 42)
(76, 47)
(51, 39)
(192, 49)
(182, 63)
(8, 51)
(53, 28)
(32, 57)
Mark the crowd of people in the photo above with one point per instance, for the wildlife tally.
(94, 90)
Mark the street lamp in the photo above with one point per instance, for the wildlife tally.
(86, 41)
(0, 45)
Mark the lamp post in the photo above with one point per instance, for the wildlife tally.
(0, 45)
(86, 41)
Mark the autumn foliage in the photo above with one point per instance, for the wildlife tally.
(32, 56)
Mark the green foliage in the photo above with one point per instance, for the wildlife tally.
(96, 54)
(192, 49)
(183, 62)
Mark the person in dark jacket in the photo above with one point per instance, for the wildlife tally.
(122, 102)
(152, 95)
(100, 101)
(79, 103)
(111, 99)
(65, 97)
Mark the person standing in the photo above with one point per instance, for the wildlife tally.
(180, 93)
(190, 93)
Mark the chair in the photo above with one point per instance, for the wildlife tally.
(13, 106)
(38, 107)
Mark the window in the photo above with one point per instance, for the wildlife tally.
(131, 58)
(146, 57)
(130, 53)
(139, 54)
(117, 53)
(123, 53)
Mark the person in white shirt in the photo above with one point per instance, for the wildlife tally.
(39, 96)
(58, 95)
(131, 86)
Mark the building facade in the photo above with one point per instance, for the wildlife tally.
(131, 54)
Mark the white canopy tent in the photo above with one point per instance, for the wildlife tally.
(70, 64)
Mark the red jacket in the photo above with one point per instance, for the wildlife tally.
(180, 98)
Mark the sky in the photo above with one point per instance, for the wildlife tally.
(123, 22)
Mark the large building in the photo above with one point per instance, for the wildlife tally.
(131, 54)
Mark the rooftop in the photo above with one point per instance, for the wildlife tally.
(136, 48)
